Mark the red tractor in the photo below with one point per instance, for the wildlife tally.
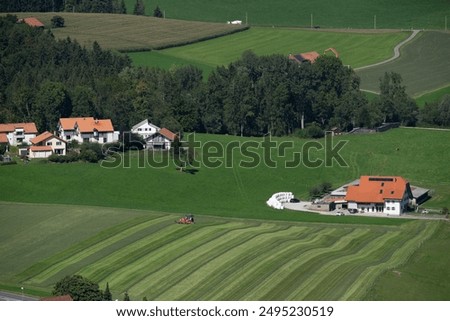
(188, 219)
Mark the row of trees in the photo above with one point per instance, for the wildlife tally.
(43, 79)
(89, 6)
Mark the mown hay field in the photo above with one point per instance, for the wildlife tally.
(336, 14)
(423, 65)
(148, 255)
(129, 32)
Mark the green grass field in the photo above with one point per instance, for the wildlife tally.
(434, 96)
(239, 249)
(338, 14)
(147, 254)
(423, 65)
(355, 49)
(130, 33)
(229, 190)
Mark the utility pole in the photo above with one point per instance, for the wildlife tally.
(445, 23)
(375, 22)
(311, 20)
(246, 18)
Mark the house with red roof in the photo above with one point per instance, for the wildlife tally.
(18, 133)
(32, 22)
(310, 56)
(87, 129)
(380, 194)
(155, 137)
(47, 144)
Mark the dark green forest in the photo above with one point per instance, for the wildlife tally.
(92, 6)
(43, 79)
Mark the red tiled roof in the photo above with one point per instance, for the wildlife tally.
(376, 189)
(168, 134)
(310, 56)
(41, 149)
(66, 297)
(33, 22)
(87, 124)
(40, 138)
(28, 128)
(3, 138)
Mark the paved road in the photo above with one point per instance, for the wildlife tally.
(396, 52)
(8, 296)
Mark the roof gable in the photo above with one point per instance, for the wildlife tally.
(33, 22)
(168, 134)
(28, 128)
(3, 138)
(44, 137)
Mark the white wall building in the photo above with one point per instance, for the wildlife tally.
(19, 133)
(47, 144)
(87, 129)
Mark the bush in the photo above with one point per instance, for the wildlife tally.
(57, 22)
(311, 131)
(89, 155)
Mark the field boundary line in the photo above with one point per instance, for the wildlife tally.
(396, 52)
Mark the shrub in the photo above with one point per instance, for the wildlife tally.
(57, 22)
(311, 131)
(89, 155)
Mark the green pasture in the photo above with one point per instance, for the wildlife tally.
(239, 185)
(423, 65)
(129, 32)
(147, 254)
(336, 14)
(434, 96)
(355, 48)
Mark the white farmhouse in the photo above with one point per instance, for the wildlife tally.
(87, 129)
(45, 145)
(155, 137)
(380, 194)
(145, 129)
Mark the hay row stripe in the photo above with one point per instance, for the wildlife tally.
(231, 258)
(177, 269)
(309, 263)
(55, 268)
(105, 234)
(216, 275)
(134, 252)
(333, 266)
(357, 290)
(124, 278)
(281, 274)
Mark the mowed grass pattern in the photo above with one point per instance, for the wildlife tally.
(234, 259)
(355, 48)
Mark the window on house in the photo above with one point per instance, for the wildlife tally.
(86, 140)
(381, 191)
(49, 143)
(139, 129)
(68, 137)
(58, 143)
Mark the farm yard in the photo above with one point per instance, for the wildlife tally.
(148, 255)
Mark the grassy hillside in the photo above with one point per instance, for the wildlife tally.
(423, 65)
(355, 49)
(434, 96)
(147, 254)
(233, 190)
(128, 32)
(336, 14)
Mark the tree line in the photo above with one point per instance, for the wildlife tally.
(43, 79)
